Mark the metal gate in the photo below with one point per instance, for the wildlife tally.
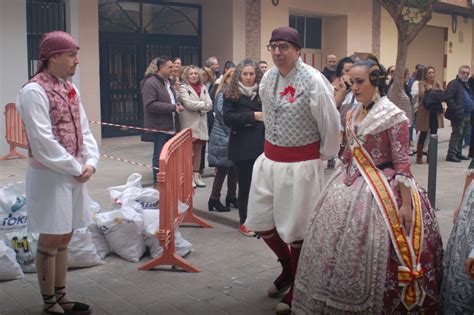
(42, 16)
(131, 35)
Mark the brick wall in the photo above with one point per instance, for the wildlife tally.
(252, 29)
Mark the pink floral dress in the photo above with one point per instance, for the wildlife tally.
(348, 264)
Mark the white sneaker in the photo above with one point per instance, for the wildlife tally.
(197, 180)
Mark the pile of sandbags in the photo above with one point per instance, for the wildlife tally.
(17, 247)
(128, 229)
(17, 242)
(131, 227)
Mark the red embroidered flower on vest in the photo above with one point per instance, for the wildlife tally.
(289, 90)
(72, 94)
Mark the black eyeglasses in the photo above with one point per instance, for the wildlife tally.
(282, 47)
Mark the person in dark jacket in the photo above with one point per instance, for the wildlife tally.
(208, 80)
(243, 114)
(218, 153)
(329, 70)
(460, 99)
(160, 105)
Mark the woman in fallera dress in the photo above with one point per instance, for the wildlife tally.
(457, 290)
(373, 244)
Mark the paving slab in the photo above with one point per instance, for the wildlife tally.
(236, 270)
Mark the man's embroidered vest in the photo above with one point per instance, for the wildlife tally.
(63, 111)
(290, 124)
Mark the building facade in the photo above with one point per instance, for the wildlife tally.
(119, 38)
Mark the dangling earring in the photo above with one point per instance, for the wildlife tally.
(376, 96)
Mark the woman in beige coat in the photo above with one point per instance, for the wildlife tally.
(427, 120)
(196, 102)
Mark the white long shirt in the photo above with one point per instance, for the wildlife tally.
(33, 105)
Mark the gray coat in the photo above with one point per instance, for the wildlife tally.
(219, 138)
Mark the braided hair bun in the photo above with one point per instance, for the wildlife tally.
(377, 73)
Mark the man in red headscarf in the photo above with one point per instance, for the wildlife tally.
(63, 156)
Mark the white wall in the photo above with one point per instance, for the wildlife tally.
(13, 57)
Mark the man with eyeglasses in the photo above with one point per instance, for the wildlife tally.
(302, 127)
(460, 99)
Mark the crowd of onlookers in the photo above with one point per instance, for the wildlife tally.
(225, 114)
(424, 101)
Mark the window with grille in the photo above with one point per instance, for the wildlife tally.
(309, 29)
(42, 16)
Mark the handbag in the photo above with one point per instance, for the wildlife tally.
(433, 99)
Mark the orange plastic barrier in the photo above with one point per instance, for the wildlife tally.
(175, 183)
(15, 133)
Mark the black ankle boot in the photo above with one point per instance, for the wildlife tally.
(217, 205)
(231, 202)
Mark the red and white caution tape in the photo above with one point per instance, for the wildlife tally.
(108, 156)
(123, 126)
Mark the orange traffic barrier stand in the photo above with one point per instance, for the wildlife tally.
(175, 184)
(15, 133)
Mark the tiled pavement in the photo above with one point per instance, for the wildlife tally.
(236, 270)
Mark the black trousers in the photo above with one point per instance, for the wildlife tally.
(433, 128)
(221, 173)
(244, 175)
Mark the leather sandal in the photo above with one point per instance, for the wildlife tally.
(78, 308)
(50, 304)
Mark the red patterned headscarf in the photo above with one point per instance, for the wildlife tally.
(54, 43)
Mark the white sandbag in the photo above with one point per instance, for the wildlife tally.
(133, 195)
(98, 237)
(82, 251)
(122, 229)
(12, 197)
(24, 244)
(12, 221)
(183, 247)
(9, 267)
(148, 198)
(151, 222)
(94, 207)
(115, 192)
(100, 243)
